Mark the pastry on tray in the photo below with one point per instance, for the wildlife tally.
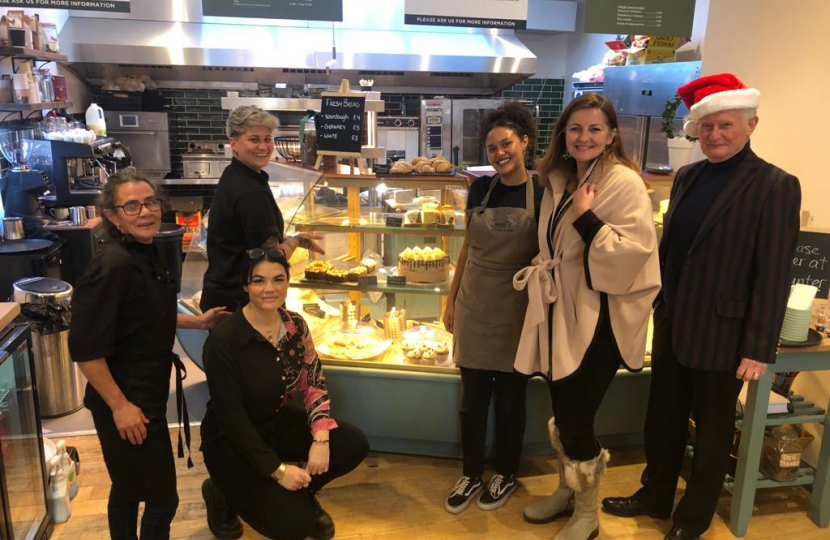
(317, 270)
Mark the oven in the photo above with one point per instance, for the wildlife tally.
(400, 136)
(204, 160)
(450, 127)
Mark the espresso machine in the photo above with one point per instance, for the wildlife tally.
(22, 183)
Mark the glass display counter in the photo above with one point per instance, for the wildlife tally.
(374, 303)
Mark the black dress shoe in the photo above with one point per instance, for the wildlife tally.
(631, 507)
(222, 521)
(323, 524)
(679, 533)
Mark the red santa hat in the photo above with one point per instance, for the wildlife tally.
(715, 93)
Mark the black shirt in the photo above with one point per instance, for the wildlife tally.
(503, 196)
(689, 214)
(123, 306)
(243, 216)
(250, 380)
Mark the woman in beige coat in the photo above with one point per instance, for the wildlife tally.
(590, 291)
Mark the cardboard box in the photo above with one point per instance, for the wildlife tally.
(658, 50)
(191, 222)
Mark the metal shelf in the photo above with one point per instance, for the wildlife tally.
(32, 107)
(317, 226)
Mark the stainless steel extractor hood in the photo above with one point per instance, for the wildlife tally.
(194, 53)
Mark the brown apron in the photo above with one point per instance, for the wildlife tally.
(489, 312)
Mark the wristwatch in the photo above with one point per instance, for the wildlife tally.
(279, 473)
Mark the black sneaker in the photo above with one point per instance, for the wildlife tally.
(498, 491)
(323, 524)
(222, 521)
(462, 494)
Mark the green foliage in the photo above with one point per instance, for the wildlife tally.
(669, 112)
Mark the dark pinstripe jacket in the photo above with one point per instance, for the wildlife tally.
(733, 287)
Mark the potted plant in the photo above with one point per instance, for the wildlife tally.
(680, 144)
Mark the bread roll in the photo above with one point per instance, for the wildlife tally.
(401, 167)
(442, 166)
(418, 160)
(424, 167)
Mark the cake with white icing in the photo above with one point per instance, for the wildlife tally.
(424, 265)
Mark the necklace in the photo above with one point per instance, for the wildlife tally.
(271, 333)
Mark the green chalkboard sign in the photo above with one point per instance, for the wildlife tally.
(672, 18)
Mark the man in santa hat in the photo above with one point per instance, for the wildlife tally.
(728, 238)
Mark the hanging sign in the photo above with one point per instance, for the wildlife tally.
(301, 10)
(648, 17)
(113, 6)
(510, 14)
(811, 261)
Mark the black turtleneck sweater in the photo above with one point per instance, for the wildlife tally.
(689, 214)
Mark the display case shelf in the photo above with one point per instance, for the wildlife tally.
(323, 227)
(434, 289)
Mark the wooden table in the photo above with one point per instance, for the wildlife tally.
(747, 477)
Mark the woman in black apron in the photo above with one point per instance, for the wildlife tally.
(484, 312)
(122, 332)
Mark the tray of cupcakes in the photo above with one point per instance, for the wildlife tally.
(427, 346)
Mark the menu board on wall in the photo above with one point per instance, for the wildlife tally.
(510, 14)
(811, 261)
(302, 10)
(648, 17)
(114, 6)
(339, 123)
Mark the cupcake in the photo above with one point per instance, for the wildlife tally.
(428, 358)
(442, 353)
(408, 345)
(413, 357)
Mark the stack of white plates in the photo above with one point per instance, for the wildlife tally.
(796, 324)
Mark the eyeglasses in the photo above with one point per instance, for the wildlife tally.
(259, 253)
(133, 208)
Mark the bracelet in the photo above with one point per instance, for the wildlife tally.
(279, 473)
(320, 441)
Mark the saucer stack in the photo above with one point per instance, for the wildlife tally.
(799, 311)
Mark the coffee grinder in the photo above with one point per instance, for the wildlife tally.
(22, 185)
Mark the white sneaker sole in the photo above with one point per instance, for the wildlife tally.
(499, 503)
(462, 507)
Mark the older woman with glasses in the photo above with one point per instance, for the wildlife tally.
(267, 455)
(122, 332)
(244, 214)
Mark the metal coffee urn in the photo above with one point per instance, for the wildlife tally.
(60, 382)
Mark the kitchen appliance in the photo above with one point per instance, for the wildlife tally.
(147, 136)
(204, 159)
(450, 127)
(24, 512)
(22, 183)
(30, 257)
(639, 94)
(13, 228)
(400, 136)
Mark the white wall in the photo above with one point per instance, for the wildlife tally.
(778, 48)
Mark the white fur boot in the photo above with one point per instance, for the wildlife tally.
(583, 477)
(561, 501)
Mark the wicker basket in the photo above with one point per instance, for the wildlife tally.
(288, 147)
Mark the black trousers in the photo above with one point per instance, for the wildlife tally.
(508, 391)
(576, 399)
(677, 392)
(270, 509)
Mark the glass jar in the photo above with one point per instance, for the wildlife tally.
(308, 139)
(47, 87)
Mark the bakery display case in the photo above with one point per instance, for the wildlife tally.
(375, 299)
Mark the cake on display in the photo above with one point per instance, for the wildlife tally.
(424, 265)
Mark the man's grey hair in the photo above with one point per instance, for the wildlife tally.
(246, 117)
(748, 114)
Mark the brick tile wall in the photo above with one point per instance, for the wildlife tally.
(198, 115)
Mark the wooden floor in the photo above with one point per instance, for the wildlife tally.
(401, 497)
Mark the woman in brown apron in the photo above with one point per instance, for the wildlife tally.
(485, 312)
(122, 332)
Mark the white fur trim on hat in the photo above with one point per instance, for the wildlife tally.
(745, 98)
(690, 128)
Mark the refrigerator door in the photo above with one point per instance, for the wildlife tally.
(22, 467)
